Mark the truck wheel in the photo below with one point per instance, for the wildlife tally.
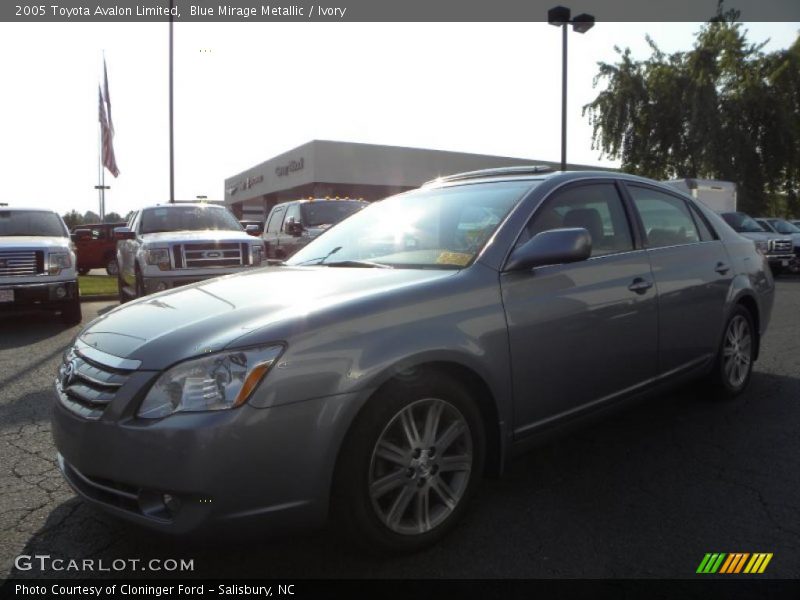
(123, 296)
(140, 293)
(71, 311)
(409, 465)
(111, 266)
(83, 271)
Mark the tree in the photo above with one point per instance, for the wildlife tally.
(722, 110)
(112, 217)
(91, 217)
(72, 219)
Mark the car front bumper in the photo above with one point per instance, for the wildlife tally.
(781, 260)
(37, 295)
(270, 467)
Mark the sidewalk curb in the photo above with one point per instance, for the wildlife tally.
(98, 297)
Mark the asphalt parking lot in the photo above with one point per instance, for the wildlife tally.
(644, 492)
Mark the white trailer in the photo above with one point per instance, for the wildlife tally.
(719, 196)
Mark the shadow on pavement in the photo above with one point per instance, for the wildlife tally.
(677, 472)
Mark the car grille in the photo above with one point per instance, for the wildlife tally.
(21, 262)
(85, 387)
(782, 247)
(204, 256)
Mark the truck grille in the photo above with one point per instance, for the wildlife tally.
(85, 387)
(204, 256)
(782, 247)
(21, 263)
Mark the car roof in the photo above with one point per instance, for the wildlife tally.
(115, 224)
(26, 209)
(320, 200)
(189, 204)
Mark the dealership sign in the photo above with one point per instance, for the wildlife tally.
(245, 184)
(295, 165)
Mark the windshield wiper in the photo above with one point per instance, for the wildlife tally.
(359, 263)
(320, 259)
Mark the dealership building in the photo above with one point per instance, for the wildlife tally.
(326, 169)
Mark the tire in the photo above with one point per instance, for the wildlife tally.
(424, 490)
(140, 293)
(123, 296)
(733, 366)
(83, 271)
(71, 313)
(111, 266)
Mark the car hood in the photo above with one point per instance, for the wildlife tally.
(33, 242)
(162, 329)
(209, 235)
(762, 235)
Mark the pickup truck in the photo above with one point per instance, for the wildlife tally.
(292, 225)
(96, 247)
(166, 246)
(777, 248)
(37, 263)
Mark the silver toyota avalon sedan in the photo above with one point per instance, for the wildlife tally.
(379, 374)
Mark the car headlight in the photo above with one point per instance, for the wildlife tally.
(58, 261)
(256, 254)
(157, 256)
(214, 382)
(762, 246)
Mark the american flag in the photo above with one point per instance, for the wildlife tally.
(109, 161)
(108, 98)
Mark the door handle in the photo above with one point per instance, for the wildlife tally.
(722, 268)
(640, 285)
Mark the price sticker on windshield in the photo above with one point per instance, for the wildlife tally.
(454, 258)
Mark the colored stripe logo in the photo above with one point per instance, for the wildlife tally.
(736, 562)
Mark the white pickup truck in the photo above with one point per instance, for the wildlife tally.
(37, 263)
(169, 245)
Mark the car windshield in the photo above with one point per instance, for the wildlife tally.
(328, 212)
(31, 222)
(188, 218)
(742, 223)
(782, 226)
(441, 228)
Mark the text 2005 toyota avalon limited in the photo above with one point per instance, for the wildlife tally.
(379, 373)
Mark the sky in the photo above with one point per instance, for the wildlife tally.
(245, 92)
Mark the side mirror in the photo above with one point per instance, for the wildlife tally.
(81, 235)
(123, 233)
(554, 247)
(294, 228)
(253, 230)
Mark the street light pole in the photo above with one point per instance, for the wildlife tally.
(560, 17)
(564, 97)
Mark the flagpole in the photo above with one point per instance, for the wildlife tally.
(171, 122)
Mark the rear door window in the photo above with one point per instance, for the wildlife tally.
(666, 218)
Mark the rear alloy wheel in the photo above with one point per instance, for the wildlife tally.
(734, 365)
(409, 465)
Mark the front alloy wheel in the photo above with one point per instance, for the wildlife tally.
(409, 464)
(420, 466)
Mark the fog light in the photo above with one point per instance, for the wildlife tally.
(161, 286)
(61, 292)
